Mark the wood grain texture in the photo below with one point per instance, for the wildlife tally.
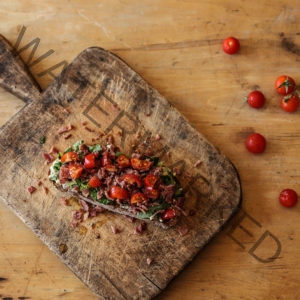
(15, 76)
(176, 47)
(115, 267)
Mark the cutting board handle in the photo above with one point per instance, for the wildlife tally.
(14, 74)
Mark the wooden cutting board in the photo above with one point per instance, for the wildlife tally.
(98, 95)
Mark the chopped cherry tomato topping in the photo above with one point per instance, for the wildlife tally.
(138, 198)
(123, 161)
(95, 182)
(168, 214)
(69, 156)
(90, 161)
(151, 180)
(75, 170)
(140, 164)
(151, 192)
(288, 198)
(132, 179)
(117, 192)
(105, 159)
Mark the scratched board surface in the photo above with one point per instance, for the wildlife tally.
(98, 96)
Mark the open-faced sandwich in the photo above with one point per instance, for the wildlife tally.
(137, 186)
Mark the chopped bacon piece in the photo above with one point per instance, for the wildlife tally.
(88, 129)
(183, 230)
(46, 190)
(114, 229)
(31, 189)
(65, 201)
(140, 228)
(64, 129)
(54, 150)
(48, 157)
(67, 136)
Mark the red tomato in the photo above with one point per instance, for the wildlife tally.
(69, 156)
(138, 198)
(141, 165)
(255, 143)
(151, 180)
(105, 159)
(90, 161)
(231, 45)
(168, 214)
(132, 179)
(288, 197)
(95, 182)
(285, 85)
(75, 170)
(123, 161)
(152, 193)
(117, 192)
(290, 103)
(256, 99)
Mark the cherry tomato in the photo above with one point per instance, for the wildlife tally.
(123, 161)
(288, 197)
(255, 143)
(152, 193)
(95, 182)
(290, 103)
(168, 214)
(285, 85)
(132, 179)
(117, 192)
(151, 180)
(140, 164)
(90, 161)
(256, 99)
(69, 156)
(231, 45)
(138, 198)
(75, 170)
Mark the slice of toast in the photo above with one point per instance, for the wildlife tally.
(136, 186)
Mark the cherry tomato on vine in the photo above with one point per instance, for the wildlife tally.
(290, 103)
(256, 143)
(256, 99)
(288, 197)
(285, 85)
(231, 45)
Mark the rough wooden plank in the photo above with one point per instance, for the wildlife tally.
(101, 91)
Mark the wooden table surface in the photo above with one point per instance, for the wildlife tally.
(176, 47)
